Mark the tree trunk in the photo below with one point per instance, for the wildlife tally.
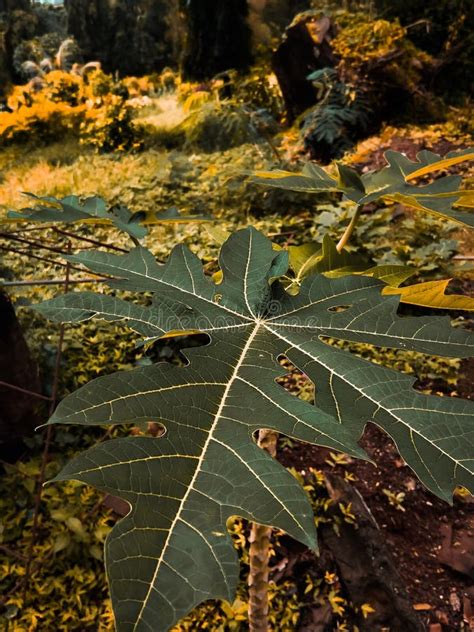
(304, 49)
(6, 6)
(17, 23)
(365, 566)
(218, 37)
(259, 555)
(17, 409)
(133, 37)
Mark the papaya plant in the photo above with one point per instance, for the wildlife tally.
(391, 184)
(172, 551)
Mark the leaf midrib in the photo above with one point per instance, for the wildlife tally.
(197, 471)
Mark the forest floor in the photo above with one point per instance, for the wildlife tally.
(431, 543)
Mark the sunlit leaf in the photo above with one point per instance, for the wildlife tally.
(433, 162)
(431, 294)
(390, 183)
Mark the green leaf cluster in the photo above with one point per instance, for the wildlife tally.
(391, 183)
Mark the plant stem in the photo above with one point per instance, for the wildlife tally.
(47, 443)
(349, 230)
(259, 555)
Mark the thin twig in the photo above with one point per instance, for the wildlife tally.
(34, 244)
(45, 457)
(25, 391)
(52, 282)
(11, 552)
(28, 254)
(91, 241)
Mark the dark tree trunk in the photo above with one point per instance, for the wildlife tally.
(365, 566)
(6, 6)
(17, 23)
(218, 37)
(17, 410)
(134, 37)
(300, 54)
(5, 75)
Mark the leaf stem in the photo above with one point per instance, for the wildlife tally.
(349, 230)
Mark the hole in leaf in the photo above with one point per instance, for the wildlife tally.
(173, 350)
(295, 381)
(339, 308)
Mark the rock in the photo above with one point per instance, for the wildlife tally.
(457, 549)
(305, 48)
(17, 367)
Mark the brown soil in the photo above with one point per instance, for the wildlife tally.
(416, 536)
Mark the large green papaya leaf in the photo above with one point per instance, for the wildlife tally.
(73, 209)
(172, 550)
(392, 183)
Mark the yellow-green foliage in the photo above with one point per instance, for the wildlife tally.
(217, 125)
(361, 42)
(260, 88)
(43, 119)
(67, 589)
(90, 107)
(110, 127)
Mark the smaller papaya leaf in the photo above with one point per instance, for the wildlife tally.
(466, 198)
(436, 198)
(391, 274)
(431, 294)
(433, 162)
(312, 179)
(72, 209)
(390, 183)
(350, 182)
(312, 258)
